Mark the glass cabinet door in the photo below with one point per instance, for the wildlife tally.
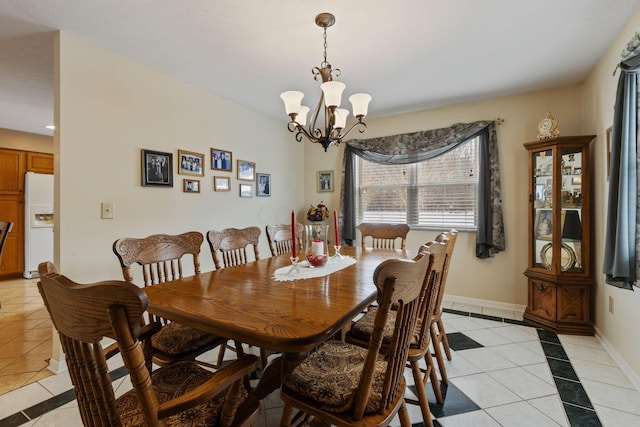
(542, 209)
(571, 215)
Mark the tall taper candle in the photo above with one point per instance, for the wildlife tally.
(335, 225)
(293, 232)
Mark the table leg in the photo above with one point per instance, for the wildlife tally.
(275, 372)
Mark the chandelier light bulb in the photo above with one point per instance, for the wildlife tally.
(360, 104)
(292, 101)
(302, 115)
(332, 93)
(341, 118)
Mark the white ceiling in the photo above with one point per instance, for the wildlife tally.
(408, 54)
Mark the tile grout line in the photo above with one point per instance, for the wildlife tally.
(541, 333)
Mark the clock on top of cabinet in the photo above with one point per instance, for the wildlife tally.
(559, 272)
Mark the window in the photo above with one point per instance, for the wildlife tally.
(433, 194)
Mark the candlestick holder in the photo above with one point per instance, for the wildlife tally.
(337, 254)
(294, 266)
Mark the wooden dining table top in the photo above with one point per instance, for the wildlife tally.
(245, 303)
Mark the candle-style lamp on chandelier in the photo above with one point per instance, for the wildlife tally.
(334, 128)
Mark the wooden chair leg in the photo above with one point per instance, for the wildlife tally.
(420, 382)
(443, 338)
(433, 376)
(437, 352)
(287, 411)
(403, 414)
(221, 350)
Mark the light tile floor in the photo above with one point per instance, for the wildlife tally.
(505, 381)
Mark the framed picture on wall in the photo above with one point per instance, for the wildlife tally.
(246, 190)
(221, 183)
(264, 184)
(246, 170)
(191, 185)
(157, 168)
(325, 181)
(221, 160)
(190, 163)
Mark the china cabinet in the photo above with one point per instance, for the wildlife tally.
(560, 267)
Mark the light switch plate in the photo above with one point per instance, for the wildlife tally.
(107, 210)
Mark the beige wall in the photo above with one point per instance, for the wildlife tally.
(618, 329)
(108, 109)
(499, 279)
(25, 141)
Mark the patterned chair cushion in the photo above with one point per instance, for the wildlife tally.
(176, 339)
(363, 327)
(170, 382)
(330, 376)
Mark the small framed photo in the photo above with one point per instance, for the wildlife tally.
(325, 181)
(157, 168)
(246, 170)
(190, 163)
(191, 185)
(264, 184)
(543, 226)
(221, 183)
(221, 160)
(246, 190)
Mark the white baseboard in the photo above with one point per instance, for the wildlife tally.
(484, 303)
(624, 366)
(57, 366)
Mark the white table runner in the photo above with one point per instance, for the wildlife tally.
(303, 271)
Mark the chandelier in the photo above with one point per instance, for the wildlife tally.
(332, 131)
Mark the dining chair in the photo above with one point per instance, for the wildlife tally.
(383, 236)
(231, 247)
(438, 334)
(5, 229)
(160, 257)
(344, 384)
(184, 393)
(279, 238)
(420, 349)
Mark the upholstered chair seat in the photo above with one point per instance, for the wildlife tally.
(176, 340)
(170, 383)
(331, 374)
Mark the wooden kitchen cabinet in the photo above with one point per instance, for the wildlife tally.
(13, 165)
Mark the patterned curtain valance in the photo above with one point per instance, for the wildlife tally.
(632, 48)
(416, 146)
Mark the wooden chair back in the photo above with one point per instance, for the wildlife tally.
(448, 237)
(83, 315)
(229, 247)
(399, 283)
(384, 236)
(159, 255)
(279, 238)
(5, 229)
(437, 253)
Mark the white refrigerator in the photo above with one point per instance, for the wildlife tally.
(38, 230)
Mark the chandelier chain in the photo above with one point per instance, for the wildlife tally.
(324, 36)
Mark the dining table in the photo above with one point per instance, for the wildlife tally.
(287, 314)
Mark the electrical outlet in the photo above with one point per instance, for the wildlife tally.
(611, 304)
(107, 210)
